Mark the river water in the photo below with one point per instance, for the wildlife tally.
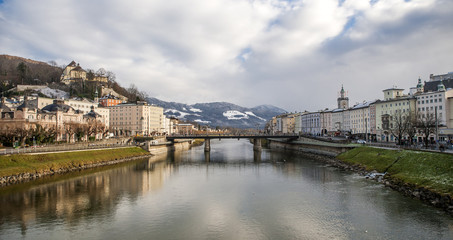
(228, 194)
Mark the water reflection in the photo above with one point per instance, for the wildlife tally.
(72, 201)
(229, 193)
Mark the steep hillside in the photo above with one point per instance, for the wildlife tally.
(18, 70)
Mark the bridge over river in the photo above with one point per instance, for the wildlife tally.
(207, 138)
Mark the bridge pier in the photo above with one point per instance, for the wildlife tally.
(256, 156)
(207, 156)
(257, 144)
(207, 145)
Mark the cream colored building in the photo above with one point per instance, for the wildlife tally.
(337, 120)
(288, 123)
(326, 122)
(84, 106)
(62, 118)
(394, 101)
(136, 119)
(360, 120)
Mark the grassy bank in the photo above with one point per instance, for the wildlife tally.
(433, 171)
(23, 163)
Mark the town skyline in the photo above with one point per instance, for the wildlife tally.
(249, 53)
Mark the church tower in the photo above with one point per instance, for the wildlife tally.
(419, 86)
(96, 95)
(343, 101)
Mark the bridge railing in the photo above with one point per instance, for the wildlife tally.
(230, 135)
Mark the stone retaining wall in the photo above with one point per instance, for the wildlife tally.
(308, 147)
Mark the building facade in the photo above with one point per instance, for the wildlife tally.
(394, 102)
(136, 119)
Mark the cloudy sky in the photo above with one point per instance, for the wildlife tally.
(291, 54)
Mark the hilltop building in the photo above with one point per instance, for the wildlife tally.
(74, 73)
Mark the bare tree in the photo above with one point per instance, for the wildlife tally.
(23, 132)
(94, 127)
(101, 72)
(399, 125)
(70, 129)
(426, 123)
(411, 126)
(111, 76)
(52, 63)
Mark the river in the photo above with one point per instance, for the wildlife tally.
(228, 194)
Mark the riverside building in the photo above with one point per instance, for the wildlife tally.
(136, 119)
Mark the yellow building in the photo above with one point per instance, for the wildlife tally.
(136, 119)
(74, 73)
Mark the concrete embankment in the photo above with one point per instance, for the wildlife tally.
(311, 146)
(423, 175)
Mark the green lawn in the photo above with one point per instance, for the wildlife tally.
(23, 163)
(433, 171)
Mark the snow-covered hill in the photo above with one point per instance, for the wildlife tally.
(219, 113)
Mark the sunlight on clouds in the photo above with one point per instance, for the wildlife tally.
(222, 49)
(385, 12)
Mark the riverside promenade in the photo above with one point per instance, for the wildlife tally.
(65, 147)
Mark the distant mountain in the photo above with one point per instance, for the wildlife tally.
(220, 114)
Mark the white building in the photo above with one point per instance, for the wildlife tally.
(311, 123)
(326, 122)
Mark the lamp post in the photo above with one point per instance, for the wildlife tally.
(437, 128)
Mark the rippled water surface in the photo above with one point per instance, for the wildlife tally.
(228, 194)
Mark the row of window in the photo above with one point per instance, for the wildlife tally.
(431, 96)
(429, 108)
(429, 101)
(396, 104)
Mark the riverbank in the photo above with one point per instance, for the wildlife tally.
(423, 175)
(427, 176)
(25, 167)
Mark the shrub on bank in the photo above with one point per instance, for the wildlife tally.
(433, 171)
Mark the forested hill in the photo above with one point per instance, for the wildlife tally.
(18, 70)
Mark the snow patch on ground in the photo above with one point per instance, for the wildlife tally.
(201, 121)
(235, 115)
(176, 113)
(54, 93)
(252, 114)
(195, 110)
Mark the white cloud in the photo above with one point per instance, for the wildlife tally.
(293, 54)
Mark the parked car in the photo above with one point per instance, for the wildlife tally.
(361, 141)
